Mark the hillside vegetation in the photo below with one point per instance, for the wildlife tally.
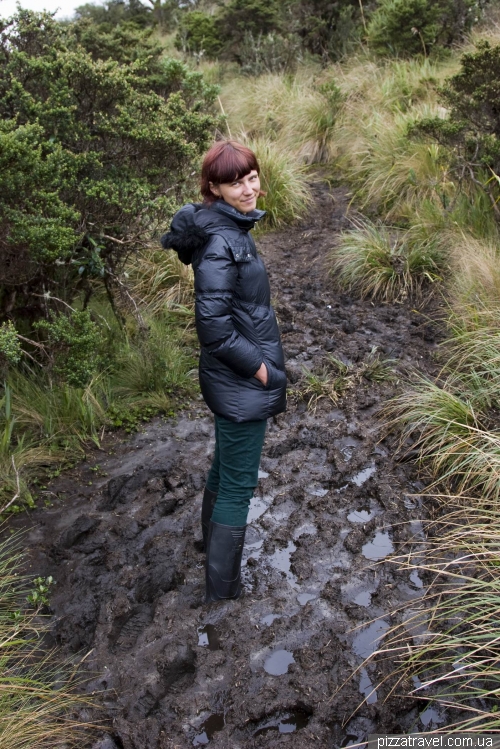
(102, 125)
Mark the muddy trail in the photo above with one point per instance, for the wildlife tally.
(122, 540)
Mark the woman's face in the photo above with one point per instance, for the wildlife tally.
(242, 194)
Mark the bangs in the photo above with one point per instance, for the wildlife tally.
(232, 164)
(224, 162)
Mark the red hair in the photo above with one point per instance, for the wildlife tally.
(225, 161)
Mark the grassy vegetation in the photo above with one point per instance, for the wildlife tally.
(447, 647)
(36, 700)
(383, 262)
(44, 423)
(335, 377)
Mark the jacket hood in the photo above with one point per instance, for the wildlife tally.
(193, 224)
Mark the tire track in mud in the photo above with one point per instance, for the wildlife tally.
(332, 502)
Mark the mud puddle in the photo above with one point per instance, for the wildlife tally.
(332, 503)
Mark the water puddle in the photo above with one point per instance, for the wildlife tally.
(361, 516)
(336, 415)
(258, 506)
(278, 662)
(416, 579)
(280, 560)
(366, 641)
(208, 637)
(359, 592)
(306, 529)
(346, 446)
(432, 716)
(269, 618)
(366, 688)
(363, 599)
(316, 491)
(304, 598)
(213, 723)
(286, 722)
(379, 547)
(362, 476)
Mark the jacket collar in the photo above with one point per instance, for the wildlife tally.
(242, 220)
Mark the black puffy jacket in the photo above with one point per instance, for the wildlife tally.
(235, 322)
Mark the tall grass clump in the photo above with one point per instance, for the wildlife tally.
(284, 180)
(448, 644)
(160, 281)
(297, 112)
(386, 263)
(36, 701)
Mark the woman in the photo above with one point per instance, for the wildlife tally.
(242, 372)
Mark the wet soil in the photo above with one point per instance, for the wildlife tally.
(274, 668)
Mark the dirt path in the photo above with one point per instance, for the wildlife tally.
(262, 671)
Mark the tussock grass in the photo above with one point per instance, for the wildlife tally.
(298, 112)
(448, 645)
(476, 278)
(330, 382)
(452, 435)
(283, 178)
(44, 422)
(36, 704)
(153, 369)
(391, 172)
(385, 263)
(160, 281)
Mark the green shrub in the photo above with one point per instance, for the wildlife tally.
(330, 29)
(199, 33)
(72, 341)
(472, 129)
(269, 53)
(10, 346)
(95, 153)
(242, 17)
(410, 27)
(114, 12)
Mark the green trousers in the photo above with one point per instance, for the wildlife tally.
(235, 467)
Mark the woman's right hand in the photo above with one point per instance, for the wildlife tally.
(261, 374)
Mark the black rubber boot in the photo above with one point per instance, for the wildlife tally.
(207, 507)
(223, 565)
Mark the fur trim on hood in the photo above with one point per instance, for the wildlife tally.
(185, 237)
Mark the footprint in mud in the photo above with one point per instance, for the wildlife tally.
(127, 628)
(278, 662)
(287, 721)
(213, 723)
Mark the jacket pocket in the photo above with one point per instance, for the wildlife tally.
(276, 378)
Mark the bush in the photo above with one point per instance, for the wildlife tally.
(269, 53)
(94, 156)
(115, 12)
(10, 346)
(328, 29)
(199, 34)
(410, 27)
(242, 17)
(72, 341)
